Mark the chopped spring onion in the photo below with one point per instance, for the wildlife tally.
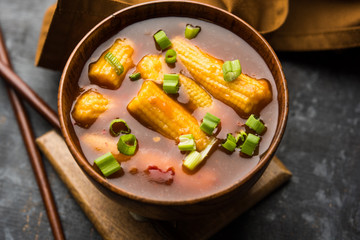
(162, 40)
(230, 143)
(209, 123)
(187, 143)
(171, 83)
(191, 31)
(118, 126)
(114, 62)
(255, 124)
(250, 144)
(170, 56)
(207, 149)
(231, 70)
(193, 159)
(127, 144)
(242, 135)
(135, 76)
(107, 164)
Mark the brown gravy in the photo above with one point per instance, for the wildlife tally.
(221, 169)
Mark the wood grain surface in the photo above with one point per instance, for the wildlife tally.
(113, 221)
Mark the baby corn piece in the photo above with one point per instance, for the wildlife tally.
(104, 74)
(198, 96)
(88, 108)
(244, 94)
(151, 68)
(157, 110)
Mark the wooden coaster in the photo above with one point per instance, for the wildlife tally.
(113, 221)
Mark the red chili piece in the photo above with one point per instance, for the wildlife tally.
(157, 175)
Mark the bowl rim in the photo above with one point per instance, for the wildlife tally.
(264, 159)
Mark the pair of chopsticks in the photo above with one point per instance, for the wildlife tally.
(28, 136)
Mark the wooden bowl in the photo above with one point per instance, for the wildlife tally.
(168, 210)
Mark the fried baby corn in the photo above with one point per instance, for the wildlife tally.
(104, 74)
(245, 94)
(158, 111)
(198, 96)
(151, 68)
(88, 108)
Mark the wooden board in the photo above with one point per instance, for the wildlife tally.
(113, 221)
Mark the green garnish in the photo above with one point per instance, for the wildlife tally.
(209, 123)
(187, 143)
(107, 164)
(250, 144)
(193, 159)
(255, 124)
(127, 144)
(171, 83)
(170, 56)
(114, 62)
(207, 149)
(231, 70)
(162, 40)
(242, 135)
(230, 143)
(118, 126)
(191, 31)
(135, 76)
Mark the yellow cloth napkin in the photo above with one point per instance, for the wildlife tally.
(318, 25)
(298, 25)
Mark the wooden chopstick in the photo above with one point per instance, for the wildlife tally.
(28, 94)
(29, 140)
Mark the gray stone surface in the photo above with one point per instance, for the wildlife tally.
(321, 147)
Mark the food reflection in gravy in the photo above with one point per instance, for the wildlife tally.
(191, 134)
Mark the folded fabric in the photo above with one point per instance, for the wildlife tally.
(318, 25)
(302, 25)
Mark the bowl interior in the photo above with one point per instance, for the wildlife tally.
(68, 89)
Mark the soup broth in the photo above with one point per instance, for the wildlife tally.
(221, 169)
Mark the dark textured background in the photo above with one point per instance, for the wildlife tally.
(321, 147)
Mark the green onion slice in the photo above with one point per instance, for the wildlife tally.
(209, 123)
(230, 143)
(208, 148)
(231, 70)
(118, 126)
(114, 62)
(107, 164)
(127, 144)
(170, 56)
(250, 144)
(171, 83)
(242, 135)
(187, 143)
(135, 76)
(255, 124)
(162, 40)
(194, 158)
(191, 31)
